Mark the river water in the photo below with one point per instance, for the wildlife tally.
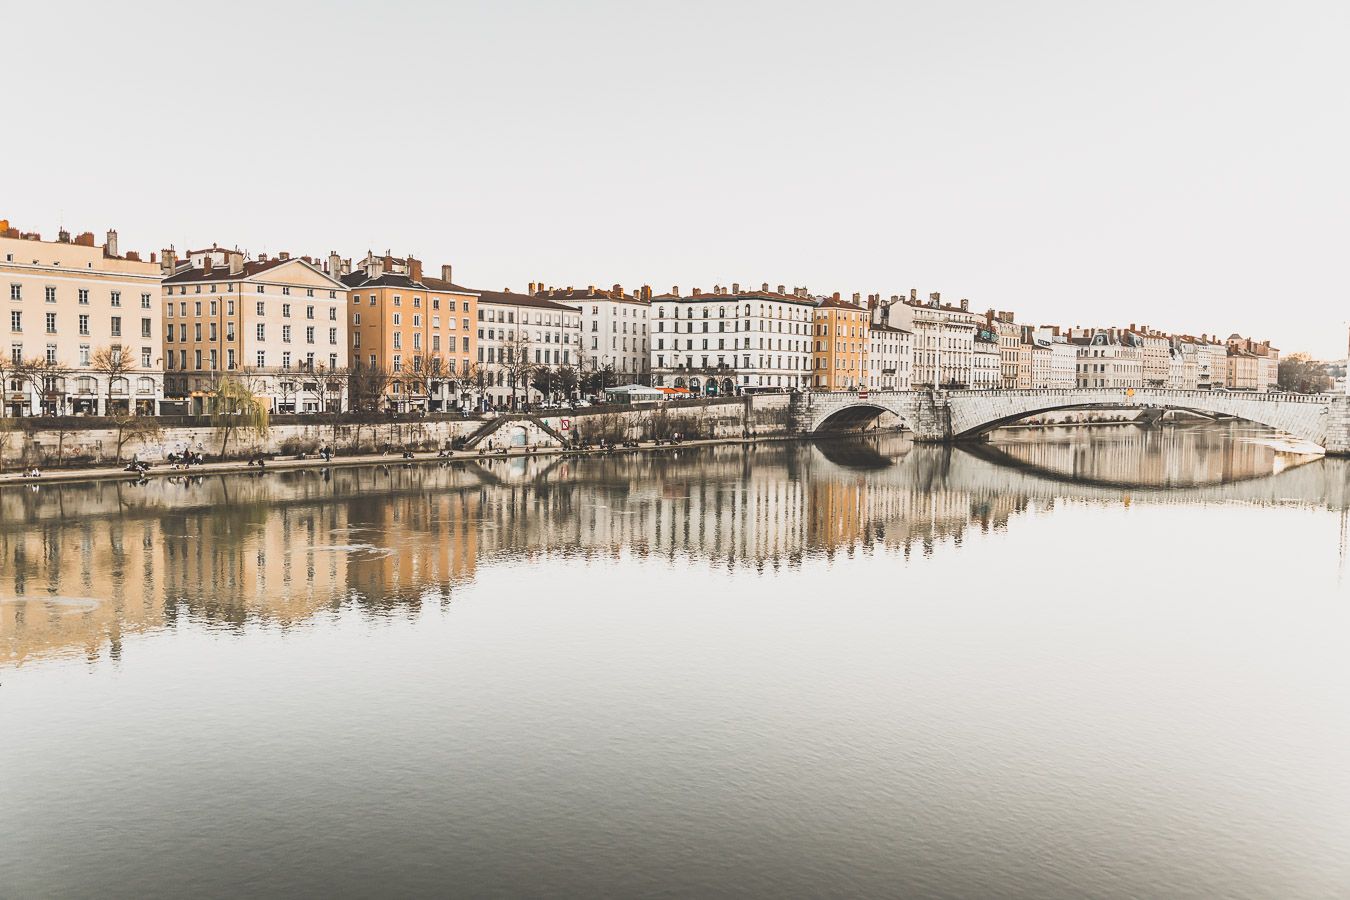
(1104, 662)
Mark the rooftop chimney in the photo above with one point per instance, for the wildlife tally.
(236, 262)
(63, 237)
(735, 287)
(446, 271)
(170, 262)
(857, 297)
(782, 289)
(675, 290)
(965, 305)
(414, 268)
(110, 245)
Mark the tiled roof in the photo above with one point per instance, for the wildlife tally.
(190, 274)
(573, 295)
(508, 298)
(359, 279)
(449, 287)
(744, 295)
(832, 303)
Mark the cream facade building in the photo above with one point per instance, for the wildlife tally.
(1108, 358)
(944, 338)
(277, 324)
(69, 307)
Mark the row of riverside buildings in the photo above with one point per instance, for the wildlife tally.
(95, 330)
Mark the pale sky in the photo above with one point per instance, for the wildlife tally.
(1180, 164)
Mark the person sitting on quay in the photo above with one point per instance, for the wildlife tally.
(407, 454)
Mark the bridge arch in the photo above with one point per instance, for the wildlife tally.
(855, 416)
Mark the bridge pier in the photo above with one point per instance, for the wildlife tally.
(1338, 427)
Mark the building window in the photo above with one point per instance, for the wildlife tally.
(50, 294)
(309, 334)
(116, 298)
(15, 320)
(262, 357)
(145, 301)
(51, 323)
(285, 334)
(145, 360)
(84, 354)
(261, 332)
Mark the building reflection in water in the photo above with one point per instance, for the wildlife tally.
(82, 565)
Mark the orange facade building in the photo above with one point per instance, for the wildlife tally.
(839, 348)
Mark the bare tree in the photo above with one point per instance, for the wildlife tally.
(6, 370)
(133, 427)
(517, 364)
(112, 363)
(366, 387)
(48, 379)
(476, 377)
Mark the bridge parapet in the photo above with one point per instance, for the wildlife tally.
(1322, 419)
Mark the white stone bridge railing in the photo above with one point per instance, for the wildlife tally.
(1322, 419)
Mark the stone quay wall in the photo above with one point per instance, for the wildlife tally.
(86, 441)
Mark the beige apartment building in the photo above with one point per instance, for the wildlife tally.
(278, 324)
(83, 326)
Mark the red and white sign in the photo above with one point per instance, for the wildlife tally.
(566, 424)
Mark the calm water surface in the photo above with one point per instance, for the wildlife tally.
(1100, 662)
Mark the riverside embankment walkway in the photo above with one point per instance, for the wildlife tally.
(241, 467)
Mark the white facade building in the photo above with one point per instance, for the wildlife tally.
(613, 329)
(986, 361)
(890, 358)
(731, 340)
(518, 333)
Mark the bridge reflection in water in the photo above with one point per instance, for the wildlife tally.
(81, 566)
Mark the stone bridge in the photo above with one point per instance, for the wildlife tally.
(944, 416)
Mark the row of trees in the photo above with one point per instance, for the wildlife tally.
(1300, 374)
(49, 378)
